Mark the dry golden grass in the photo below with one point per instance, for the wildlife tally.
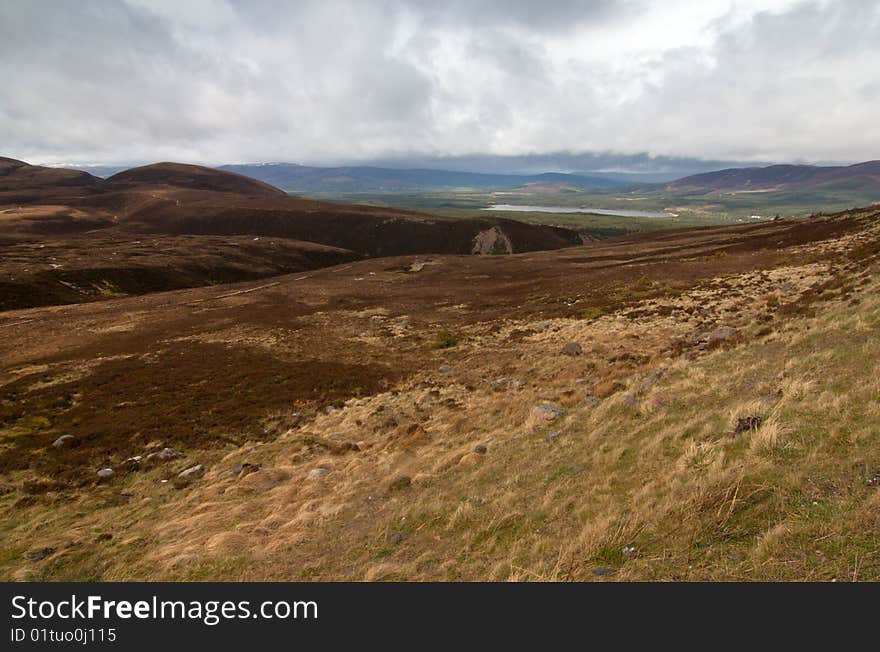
(651, 481)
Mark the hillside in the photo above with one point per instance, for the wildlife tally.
(862, 177)
(686, 405)
(24, 183)
(302, 178)
(71, 237)
(193, 177)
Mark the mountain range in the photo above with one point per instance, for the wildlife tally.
(302, 178)
(305, 179)
(861, 177)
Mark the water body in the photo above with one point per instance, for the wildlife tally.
(619, 212)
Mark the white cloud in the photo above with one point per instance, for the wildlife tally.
(226, 80)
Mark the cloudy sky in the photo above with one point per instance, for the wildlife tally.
(221, 81)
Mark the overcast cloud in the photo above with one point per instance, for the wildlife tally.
(219, 81)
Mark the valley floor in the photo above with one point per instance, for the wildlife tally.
(429, 418)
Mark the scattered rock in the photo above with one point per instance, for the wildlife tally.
(396, 538)
(602, 571)
(477, 502)
(498, 385)
(245, 469)
(573, 348)
(630, 400)
(133, 463)
(105, 473)
(552, 437)
(164, 455)
(318, 472)
(399, 483)
(445, 369)
(504, 384)
(192, 472)
(471, 459)
(39, 554)
(875, 481)
(547, 412)
(747, 424)
(480, 448)
(720, 336)
(63, 440)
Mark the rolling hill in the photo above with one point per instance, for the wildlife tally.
(301, 178)
(69, 236)
(861, 177)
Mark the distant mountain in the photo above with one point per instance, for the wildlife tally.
(21, 182)
(196, 177)
(861, 177)
(301, 178)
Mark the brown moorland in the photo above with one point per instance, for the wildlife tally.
(421, 417)
(70, 237)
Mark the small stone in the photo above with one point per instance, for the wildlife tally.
(552, 437)
(105, 473)
(319, 472)
(396, 538)
(39, 554)
(192, 472)
(573, 348)
(399, 483)
(498, 385)
(361, 445)
(164, 455)
(477, 502)
(133, 463)
(719, 336)
(547, 412)
(603, 572)
(445, 369)
(481, 449)
(631, 401)
(63, 440)
(747, 424)
(245, 469)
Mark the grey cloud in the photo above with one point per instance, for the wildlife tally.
(219, 81)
